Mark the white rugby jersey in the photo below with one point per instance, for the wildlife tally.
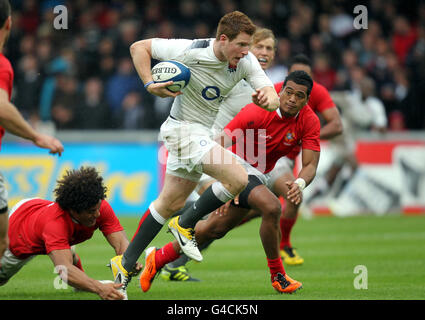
(211, 79)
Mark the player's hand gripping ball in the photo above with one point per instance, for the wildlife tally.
(171, 71)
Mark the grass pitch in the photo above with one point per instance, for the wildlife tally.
(391, 248)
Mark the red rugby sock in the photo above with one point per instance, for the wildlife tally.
(286, 226)
(275, 266)
(165, 255)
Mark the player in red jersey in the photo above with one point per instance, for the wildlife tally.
(270, 136)
(11, 120)
(320, 102)
(39, 226)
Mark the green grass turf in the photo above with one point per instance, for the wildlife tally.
(391, 248)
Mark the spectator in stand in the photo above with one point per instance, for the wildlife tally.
(121, 83)
(65, 103)
(28, 84)
(94, 112)
(323, 73)
(133, 115)
(404, 37)
(99, 33)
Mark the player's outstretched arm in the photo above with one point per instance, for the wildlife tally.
(266, 98)
(310, 161)
(12, 121)
(141, 53)
(78, 279)
(118, 241)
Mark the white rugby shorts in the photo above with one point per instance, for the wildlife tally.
(187, 143)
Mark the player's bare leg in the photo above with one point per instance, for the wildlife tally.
(287, 221)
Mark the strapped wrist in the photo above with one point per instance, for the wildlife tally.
(301, 183)
(148, 84)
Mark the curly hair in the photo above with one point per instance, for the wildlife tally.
(80, 190)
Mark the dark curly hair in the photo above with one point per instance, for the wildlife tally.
(80, 189)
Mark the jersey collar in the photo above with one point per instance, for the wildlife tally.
(279, 113)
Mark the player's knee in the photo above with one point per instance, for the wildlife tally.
(292, 207)
(169, 208)
(272, 211)
(217, 232)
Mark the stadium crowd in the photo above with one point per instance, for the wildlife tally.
(82, 77)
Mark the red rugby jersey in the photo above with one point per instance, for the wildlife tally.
(319, 100)
(262, 137)
(6, 81)
(40, 226)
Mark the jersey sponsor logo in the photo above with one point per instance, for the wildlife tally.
(264, 136)
(211, 93)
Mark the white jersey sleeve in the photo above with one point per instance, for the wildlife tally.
(255, 75)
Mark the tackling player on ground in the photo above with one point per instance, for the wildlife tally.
(39, 226)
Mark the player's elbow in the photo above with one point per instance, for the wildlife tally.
(339, 128)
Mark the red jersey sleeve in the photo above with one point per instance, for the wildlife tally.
(6, 75)
(108, 221)
(320, 99)
(55, 235)
(311, 132)
(5, 81)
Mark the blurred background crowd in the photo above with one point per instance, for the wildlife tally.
(83, 77)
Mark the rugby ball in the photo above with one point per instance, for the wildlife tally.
(171, 71)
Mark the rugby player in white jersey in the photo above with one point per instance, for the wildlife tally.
(216, 65)
(263, 46)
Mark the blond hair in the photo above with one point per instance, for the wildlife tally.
(263, 34)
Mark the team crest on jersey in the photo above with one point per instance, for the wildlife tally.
(232, 68)
(289, 137)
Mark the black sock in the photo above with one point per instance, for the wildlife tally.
(207, 202)
(187, 205)
(147, 231)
